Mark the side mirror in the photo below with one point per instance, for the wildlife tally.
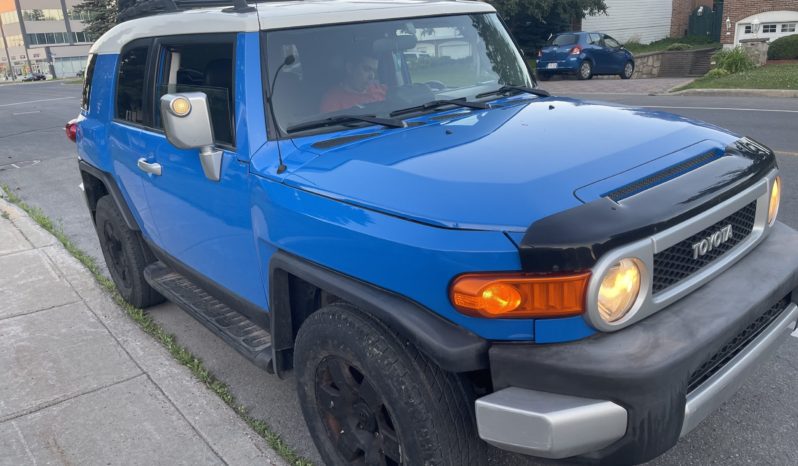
(187, 124)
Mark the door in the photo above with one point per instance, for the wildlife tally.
(597, 52)
(131, 135)
(617, 56)
(205, 224)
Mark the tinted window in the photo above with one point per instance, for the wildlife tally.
(206, 67)
(130, 88)
(611, 43)
(565, 39)
(84, 102)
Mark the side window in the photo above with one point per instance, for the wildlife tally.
(611, 43)
(595, 39)
(130, 88)
(207, 66)
(84, 101)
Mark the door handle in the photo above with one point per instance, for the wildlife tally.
(151, 168)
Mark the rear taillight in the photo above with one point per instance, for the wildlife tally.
(71, 130)
(576, 50)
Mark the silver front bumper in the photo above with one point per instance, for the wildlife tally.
(558, 426)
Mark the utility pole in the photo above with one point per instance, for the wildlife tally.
(5, 47)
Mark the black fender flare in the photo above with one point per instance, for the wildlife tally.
(450, 346)
(111, 187)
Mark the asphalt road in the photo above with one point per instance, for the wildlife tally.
(758, 426)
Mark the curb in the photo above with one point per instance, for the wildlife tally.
(780, 93)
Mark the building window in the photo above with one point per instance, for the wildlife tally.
(47, 38)
(82, 37)
(9, 17)
(80, 15)
(49, 14)
(768, 28)
(788, 27)
(748, 29)
(15, 40)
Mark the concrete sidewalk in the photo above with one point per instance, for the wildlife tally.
(81, 383)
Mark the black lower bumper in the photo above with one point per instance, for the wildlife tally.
(646, 368)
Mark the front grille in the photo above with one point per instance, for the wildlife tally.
(734, 346)
(676, 263)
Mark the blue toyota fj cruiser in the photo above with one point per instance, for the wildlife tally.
(375, 196)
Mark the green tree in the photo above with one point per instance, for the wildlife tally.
(532, 21)
(101, 14)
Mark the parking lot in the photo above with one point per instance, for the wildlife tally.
(758, 426)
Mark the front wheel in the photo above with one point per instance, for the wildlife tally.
(370, 398)
(544, 76)
(628, 70)
(585, 70)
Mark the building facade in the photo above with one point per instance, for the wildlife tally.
(44, 36)
(763, 19)
(641, 21)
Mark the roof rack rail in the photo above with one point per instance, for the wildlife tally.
(154, 7)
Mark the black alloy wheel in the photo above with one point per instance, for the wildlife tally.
(355, 415)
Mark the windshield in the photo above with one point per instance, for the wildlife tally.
(379, 67)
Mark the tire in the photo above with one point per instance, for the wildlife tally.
(585, 70)
(397, 408)
(544, 76)
(628, 70)
(125, 254)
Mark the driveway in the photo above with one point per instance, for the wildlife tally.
(612, 85)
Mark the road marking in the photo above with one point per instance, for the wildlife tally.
(788, 154)
(27, 113)
(35, 101)
(719, 108)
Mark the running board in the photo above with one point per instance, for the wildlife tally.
(252, 341)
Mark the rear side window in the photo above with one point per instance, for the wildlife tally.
(84, 101)
(130, 88)
(565, 39)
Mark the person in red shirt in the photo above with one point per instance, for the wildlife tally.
(358, 86)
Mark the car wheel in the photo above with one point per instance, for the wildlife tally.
(369, 397)
(544, 76)
(628, 70)
(125, 254)
(585, 70)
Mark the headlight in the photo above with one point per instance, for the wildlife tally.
(775, 199)
(619, 290)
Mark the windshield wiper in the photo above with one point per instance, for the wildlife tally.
(510, 88)
(343, 119)
(440, 103)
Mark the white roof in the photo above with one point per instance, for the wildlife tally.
(279, 15)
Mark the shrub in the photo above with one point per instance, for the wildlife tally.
(717, 73)
(678, 46)
(784, 48)
(733, 60)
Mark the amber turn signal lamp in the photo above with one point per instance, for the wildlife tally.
(508, 296)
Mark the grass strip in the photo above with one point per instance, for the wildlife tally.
(783, 76)
(169, 341)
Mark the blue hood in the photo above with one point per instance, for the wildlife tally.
(504, 168)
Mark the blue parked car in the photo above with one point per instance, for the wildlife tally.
(375, 197)
(584, 54)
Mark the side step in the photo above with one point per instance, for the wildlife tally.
(252, 341)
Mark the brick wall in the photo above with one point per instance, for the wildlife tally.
(736, 10)
(681, 14)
